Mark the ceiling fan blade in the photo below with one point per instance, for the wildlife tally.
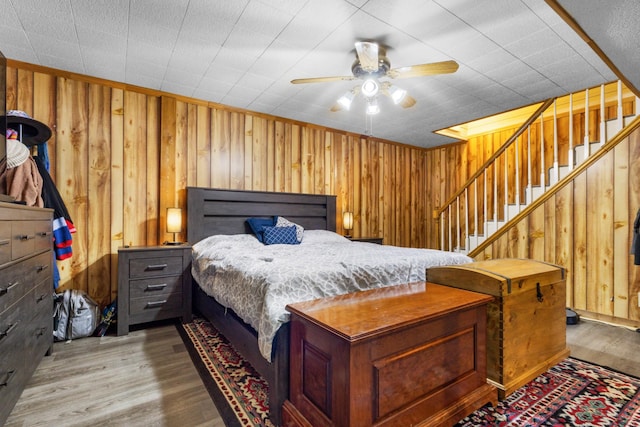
(322, 79)
(368, 55)
(444, 67)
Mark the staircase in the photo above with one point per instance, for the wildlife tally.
(559, 136)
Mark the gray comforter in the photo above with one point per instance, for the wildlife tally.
(257, 281)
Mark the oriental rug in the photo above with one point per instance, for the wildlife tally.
(572, 393)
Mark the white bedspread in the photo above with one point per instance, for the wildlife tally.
(258, 281)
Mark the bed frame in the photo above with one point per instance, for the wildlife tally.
(215, 211)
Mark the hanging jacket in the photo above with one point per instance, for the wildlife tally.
(62, 224)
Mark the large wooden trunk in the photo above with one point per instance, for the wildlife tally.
(526, 323)
(404, 355)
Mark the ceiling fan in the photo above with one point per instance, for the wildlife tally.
(371, 65)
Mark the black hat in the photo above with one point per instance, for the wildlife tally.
(30, 131)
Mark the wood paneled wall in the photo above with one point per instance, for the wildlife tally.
(587, 227)
(121, 155)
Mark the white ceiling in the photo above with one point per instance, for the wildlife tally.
(244, 53)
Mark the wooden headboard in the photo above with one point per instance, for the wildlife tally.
(213, 211)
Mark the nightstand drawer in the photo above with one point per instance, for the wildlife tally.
(156, 307)
(153, 267)
(144, 288)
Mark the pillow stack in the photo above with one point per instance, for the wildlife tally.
(276, 230)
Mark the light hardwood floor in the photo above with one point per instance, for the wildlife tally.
(147, 379)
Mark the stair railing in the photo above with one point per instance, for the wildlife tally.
(465, 222)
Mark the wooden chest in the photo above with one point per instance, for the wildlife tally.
(404, 355)
(526, 323)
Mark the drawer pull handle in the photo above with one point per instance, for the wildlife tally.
(7, 378)
(156, 303)
(4, 242)
(41, 298)
(27, 236)
(156, 267)
(41, 331)
(8, 288)
(8, 331)
(158, 287)
(45, 233)
(41, 267)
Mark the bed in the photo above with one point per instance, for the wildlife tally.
(223, 213)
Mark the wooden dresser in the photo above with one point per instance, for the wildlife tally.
(526, 320)
(404, 355)
(26, 297)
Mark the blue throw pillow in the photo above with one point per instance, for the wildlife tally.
(280, 236)
(257, 226)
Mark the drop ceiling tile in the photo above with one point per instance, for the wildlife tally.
(139, 66)
(138, 79)
(219, 71)
(263, 19)
(177, 88)
(70, 52)
(212, 20)
(104, 16)
(20, 54)
(107, 42)
(14, 38)
(315, 22)
(216, 86)
(137, 50)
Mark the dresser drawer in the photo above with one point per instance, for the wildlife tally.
(154, 267)
(12, 369)
(39, 332)
(42, 298)
(44, 235)
(40, 267)
(144, 288)
(25, 234)
(5, 242)
(14, 282)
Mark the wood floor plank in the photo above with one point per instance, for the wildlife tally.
(145, 378)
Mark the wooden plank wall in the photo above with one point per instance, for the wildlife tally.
(587, 227)
(121, 155)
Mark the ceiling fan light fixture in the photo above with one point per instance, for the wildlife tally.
(372, 107)
(397, 94)
(370, 88)
(346, 99)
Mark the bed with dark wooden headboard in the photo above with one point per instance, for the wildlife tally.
(215, 211)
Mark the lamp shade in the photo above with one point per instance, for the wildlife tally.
(174, 220)
(347, 220)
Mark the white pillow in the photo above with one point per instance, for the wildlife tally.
(284, 222)
(323, 236)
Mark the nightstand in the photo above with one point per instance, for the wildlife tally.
(154, 283)
(377, 240)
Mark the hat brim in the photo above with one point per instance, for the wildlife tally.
(31, 132)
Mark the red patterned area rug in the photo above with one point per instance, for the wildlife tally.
(237, 390)
(572, 393)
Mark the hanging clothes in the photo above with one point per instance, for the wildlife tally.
(62, 224)
(19, 173)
